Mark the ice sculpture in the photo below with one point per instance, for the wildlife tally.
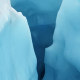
(62, 59)
(17, 57)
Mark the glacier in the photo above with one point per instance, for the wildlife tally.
(39, 40)
(17, 56)
(41, 17)
(62, 59)
(39, 12)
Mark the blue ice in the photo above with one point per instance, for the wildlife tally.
(17, 57)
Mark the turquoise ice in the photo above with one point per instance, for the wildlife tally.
(39, 12)
(17, 57)
(62, 59)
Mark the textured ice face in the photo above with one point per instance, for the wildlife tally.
(41, 16)
(67, 32)
(64, 54)
(17, 57)
(70, 14)
(4, 12)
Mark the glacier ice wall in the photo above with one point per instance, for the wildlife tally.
(62, 59)
(39, 12)
(41, 16)
(17, 57)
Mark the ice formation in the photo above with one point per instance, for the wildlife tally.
(17, 57)
(39, 12)
(62, 59)
(41, 16)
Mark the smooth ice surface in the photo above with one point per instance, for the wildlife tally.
(17, 57)
(64, 55)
